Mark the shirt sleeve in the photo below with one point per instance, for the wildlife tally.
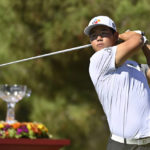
(144, 68)
(102, 63)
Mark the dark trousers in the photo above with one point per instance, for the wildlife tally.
(113, 145)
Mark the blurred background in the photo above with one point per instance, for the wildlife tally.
(63, 97)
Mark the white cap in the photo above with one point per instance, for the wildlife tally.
(100, 20)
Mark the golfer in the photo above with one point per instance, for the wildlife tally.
(121, 85)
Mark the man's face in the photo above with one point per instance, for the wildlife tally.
(102, 37)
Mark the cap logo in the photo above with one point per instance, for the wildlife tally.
(96, 21)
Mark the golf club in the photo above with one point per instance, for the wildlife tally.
(48, 54)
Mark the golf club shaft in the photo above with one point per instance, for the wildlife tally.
(48, 54)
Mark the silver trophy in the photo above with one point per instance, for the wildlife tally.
(11, 94)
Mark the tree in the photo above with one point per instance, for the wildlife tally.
(62, 91)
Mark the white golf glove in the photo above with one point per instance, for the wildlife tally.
(145, 40)
(139, 32)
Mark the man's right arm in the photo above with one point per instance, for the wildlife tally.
(132, 42)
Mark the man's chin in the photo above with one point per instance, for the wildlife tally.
(98, 49)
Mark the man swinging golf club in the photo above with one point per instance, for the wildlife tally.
(121, 85)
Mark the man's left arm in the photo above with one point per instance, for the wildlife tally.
(146, 51)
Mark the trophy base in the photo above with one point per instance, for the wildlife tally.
(11, 121)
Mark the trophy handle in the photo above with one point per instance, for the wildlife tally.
(28, 93)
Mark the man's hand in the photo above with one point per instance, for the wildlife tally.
(145, 40)
(126, 35)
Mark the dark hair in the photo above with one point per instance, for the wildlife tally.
(113, 31)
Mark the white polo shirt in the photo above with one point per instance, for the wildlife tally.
(123, 92)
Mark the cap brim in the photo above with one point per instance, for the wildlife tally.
(89, 28)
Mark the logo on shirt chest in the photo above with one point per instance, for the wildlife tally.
(109, 50)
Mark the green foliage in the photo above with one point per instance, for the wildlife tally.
(63, 97)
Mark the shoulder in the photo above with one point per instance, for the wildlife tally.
(102, 62)
(105, 51)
